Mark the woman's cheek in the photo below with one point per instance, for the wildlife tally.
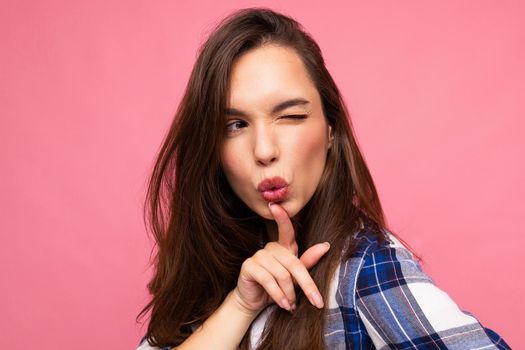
(313, 159)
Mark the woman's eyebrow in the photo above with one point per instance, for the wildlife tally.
(277, 108)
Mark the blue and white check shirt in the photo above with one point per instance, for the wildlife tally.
(384, 300)
(380, 298)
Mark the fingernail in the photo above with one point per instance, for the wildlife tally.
(327, 245)
(316, 299)
(270, 204)
(285, 304)
(294, 307)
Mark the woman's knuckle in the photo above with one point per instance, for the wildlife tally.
(245, 264)
(270, 245)
(311, 288)
(283, 277)
(261, 255)
(267, 280)
(296, 267)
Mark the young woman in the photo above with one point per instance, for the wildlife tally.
(269, 230)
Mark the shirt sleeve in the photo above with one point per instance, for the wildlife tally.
(402, 308)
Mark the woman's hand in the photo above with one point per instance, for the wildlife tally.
(270, 274)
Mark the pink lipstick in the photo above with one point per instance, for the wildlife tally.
(273, 189)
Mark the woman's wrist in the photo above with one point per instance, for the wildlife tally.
(225, 328)
(240, 306)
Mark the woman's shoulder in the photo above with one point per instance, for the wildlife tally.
(371, 246)
(382, 262)
(344, 326)
(372, 240)
(387, 299)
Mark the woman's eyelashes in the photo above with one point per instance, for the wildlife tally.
(295, 116)
(236, 125)
(230, 127)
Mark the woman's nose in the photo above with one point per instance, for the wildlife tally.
(265, 148)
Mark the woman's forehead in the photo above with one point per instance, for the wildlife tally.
(268, 75)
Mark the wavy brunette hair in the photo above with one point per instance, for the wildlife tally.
(204, 232)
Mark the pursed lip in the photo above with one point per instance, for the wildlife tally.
(274, 189)
(275, 182)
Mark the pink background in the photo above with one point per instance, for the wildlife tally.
(88, 88)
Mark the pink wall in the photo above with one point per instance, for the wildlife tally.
(88, 88)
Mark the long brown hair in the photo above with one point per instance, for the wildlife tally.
(204, 232)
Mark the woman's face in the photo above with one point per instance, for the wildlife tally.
(263, 141)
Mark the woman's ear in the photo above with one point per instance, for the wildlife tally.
(330, 136)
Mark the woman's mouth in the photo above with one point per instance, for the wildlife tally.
(275, 195)
(274, 189)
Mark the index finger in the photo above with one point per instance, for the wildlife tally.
(284, 227)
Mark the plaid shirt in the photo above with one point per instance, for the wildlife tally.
(383, 300)
(380, 298)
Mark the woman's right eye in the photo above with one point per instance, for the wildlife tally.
(235, 126)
